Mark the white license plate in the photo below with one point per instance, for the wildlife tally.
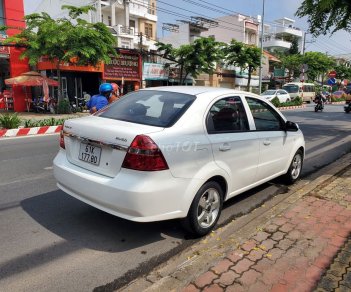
(89, 153)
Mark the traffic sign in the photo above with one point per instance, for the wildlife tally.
(331, 81)
(303, 77)
(304, 68)
(332, 74)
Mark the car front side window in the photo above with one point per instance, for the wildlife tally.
(227, 115)
(265, 117)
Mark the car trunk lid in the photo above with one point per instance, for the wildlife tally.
(100, 144)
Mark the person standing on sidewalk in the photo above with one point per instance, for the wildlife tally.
(99, 101)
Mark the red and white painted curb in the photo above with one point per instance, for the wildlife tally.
(30, 131)
(291, 107)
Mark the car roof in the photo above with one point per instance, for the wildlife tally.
(197, 90)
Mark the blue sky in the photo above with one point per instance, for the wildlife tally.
(337, 44)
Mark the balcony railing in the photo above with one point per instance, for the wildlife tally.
(125, 30)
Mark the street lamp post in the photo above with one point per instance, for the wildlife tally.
(260, 71)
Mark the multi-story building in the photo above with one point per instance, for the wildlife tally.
(239, 27)
(279, 36)
(132, 22)
(11, 15)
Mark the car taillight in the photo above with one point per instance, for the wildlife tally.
(143, 154)
(62, 140)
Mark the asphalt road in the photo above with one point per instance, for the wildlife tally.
(52, 242)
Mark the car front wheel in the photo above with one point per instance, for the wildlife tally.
(204, 210)
(295, 168)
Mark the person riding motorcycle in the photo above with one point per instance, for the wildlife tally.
(115, 93)
(99, 101)
(320, 99)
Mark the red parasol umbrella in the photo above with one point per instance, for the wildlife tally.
(31, 78)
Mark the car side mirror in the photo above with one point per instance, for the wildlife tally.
(291, 127)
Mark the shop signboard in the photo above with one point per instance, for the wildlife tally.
(155, 71)
(126, 65)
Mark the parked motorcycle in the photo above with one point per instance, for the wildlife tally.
(319, 100)
(77, 105)
(39, 105)
(347, 106)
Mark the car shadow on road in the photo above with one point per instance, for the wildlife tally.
(87, 227)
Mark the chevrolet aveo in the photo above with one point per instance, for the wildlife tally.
(176, 152)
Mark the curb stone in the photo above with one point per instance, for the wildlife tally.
(179, 271)
(30, 131)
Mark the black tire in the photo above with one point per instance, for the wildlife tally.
(208, 202)
(347, 110)
(315, 109)
(295, 168)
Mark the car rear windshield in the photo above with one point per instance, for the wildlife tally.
(269, 92)
(149, 107)
(291, 88)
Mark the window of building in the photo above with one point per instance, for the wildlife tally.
(2, 14)
(109, 20)
(132, 23)
(148, 29)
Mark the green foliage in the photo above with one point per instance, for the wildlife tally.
(318, 64)
(42, 123)
(10, 121)
(326, 15)
(342, 72)
(337, 99)
(292, 63)
(199, 57)
(243, 56)
(294, 49)
(275, 102)
(63, 107)
(65, 39)
(297, 101)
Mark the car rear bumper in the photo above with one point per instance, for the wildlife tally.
(132, 195)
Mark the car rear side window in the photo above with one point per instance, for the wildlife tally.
(227, 115)
(265, 117)
(149, 107)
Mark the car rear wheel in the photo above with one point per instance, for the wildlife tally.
(295, 168)
(204, 210)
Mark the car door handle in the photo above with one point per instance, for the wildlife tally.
(266, 142)
(224, 147)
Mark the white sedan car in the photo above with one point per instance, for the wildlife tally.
(281, 94)
(176, 152)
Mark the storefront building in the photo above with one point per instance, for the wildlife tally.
(12, 98)
(155, 74)
(125, 70)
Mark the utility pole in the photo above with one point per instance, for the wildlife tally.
(260, 77)
(141, 58)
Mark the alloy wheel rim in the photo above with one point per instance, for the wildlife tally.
(296, 166)
(208, 208)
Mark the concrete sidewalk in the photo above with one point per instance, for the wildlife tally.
(298, 241)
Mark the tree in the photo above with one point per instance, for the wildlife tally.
(294, 49)
(326, 15)
(318, 65)
(70, 39)
(342, 72)
(243, 56)
(199, 57)
(292, 63)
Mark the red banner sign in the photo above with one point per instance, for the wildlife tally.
(126, 65)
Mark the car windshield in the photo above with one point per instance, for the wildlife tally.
(149, 107)
(291, 88)
(269, 92)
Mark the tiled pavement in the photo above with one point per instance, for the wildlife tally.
(300, 242)
(294, 249)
